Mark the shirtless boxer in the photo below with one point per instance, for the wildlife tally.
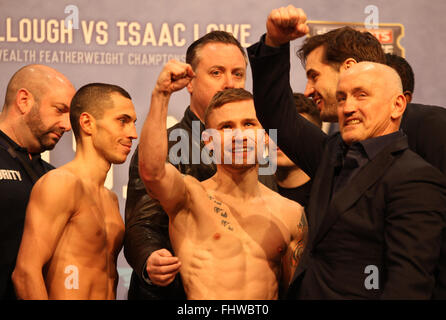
(73, 228)
(235, 238)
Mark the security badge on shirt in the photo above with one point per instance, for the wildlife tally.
(6, 174)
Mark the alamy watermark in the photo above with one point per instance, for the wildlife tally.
(234, 147)
(372, 20)
(72, 20)
(372, 280)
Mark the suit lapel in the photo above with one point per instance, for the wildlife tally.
(349, 195)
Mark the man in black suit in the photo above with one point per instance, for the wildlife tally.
(377, 210)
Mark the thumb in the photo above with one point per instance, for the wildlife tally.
(164, 253)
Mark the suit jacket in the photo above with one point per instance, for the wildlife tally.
(390, 217)
(425, 127)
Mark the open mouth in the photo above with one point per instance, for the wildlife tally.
(317, 99)
(352, 122)
(243, 149)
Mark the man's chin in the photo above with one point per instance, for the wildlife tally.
(329, 117)
(48, 145)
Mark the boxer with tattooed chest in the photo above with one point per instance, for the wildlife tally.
(235, 238)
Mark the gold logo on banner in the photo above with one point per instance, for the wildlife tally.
(389, 34)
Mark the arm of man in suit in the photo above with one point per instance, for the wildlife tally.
(414, 224)
(301, 141)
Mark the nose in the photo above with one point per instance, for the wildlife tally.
(229, 81)
(309, 89)
(348, 106)
(133, 134)
(65, 123)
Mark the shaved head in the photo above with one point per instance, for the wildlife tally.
(370, 101)
(380, 73)
(36, 110)
(37, 79)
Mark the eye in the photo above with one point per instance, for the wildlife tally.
(61, 109)
(122, 121)
(340, 98)
(239, 74)
(313, 76)
(362, 95)
(216, 73)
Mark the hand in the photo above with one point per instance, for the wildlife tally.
(174, 76)
(162, 267)
(284, 25)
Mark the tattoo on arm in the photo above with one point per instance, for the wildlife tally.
(302, 230)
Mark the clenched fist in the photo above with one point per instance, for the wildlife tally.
(174, 76)
(284, 25)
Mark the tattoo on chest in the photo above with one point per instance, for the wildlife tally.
(222, 213)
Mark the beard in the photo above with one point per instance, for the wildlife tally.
(40, 131)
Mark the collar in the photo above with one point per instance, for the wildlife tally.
(374, 146)
(15, 146)
(188, 117)
(370, 148)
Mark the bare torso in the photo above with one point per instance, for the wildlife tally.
(232, 248)
(83, 265)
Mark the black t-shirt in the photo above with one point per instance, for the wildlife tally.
(15, 189)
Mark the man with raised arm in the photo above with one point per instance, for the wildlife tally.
(73, 228)
(376, 213)
(234, 237)
(219, 62)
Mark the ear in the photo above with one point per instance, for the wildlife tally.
(349, 62)
(190, 86)
(399, 106)
(408, 96)
(87, 123)
(24, 100)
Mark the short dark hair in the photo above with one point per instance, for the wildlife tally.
(92, 98)
(192, 56)
(226, 96)
(404, 70)
(343, 43)
(307, 105)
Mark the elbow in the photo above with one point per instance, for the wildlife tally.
(19, 280)
(150, 173)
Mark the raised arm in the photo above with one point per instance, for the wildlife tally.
(162, 180)
(52, 203)
(301, 141)
(284, 25)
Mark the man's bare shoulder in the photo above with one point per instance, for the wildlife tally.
(289, 211)
(112, 196)
(60, 180)
(193, 184)
(58, 191)
(285, 205)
